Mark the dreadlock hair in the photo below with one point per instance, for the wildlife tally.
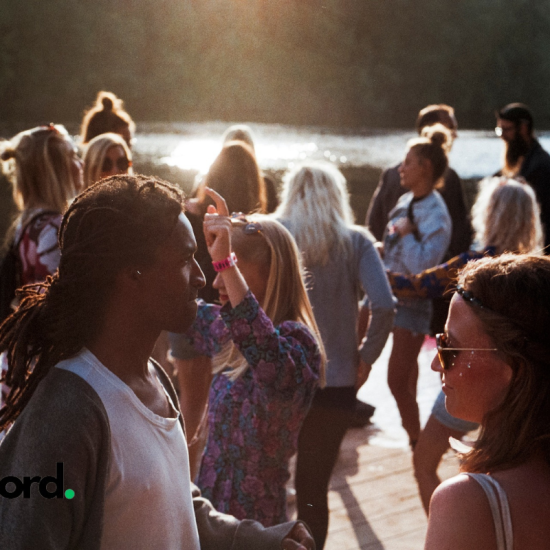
(117, 223)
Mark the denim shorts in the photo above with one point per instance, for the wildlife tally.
(443, 417)
(414, 315)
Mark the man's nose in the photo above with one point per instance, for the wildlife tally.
(199, 280)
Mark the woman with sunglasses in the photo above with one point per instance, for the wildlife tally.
(342, 263)
(267, 358)
(106, 155)
(495, 367)
(506, 218)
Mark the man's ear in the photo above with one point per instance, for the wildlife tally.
(129, 277)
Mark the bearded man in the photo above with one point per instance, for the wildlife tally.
(524, 156)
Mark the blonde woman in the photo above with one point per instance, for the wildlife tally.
(342, 263)
(416, 238)
(46, 174)
(268, 362)
(506, 218)
(106, 155)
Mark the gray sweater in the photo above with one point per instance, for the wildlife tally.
(334, 291)
(65, 421)
(412, 254)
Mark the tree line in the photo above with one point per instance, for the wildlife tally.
(344, 63)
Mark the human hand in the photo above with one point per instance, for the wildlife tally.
(363, 371)
(403, 226)
(298, 539)
(217, 227)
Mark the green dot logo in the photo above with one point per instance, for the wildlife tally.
(69, 493)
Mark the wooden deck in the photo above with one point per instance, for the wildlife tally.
(374, 502)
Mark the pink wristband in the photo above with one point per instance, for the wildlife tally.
(222, 265)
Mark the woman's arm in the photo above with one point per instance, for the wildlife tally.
(427, 252)
(460, 517)
(432, 282)
(382, 309)
(285, 360)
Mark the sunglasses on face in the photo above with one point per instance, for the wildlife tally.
(122, 163)
(447, 355)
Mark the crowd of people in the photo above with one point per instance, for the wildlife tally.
(269, 310)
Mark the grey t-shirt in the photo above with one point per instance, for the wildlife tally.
(334, 291)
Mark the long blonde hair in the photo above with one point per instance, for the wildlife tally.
(95, 155)
(41, 168)
(286, 296)
(315, 207)
(506, 215)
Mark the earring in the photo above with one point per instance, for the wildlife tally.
(138, 272)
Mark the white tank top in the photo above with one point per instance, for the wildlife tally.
(148, 503)
(499, 508)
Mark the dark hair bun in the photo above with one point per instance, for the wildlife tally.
(7, 154)
(107, 103)
(438, 134)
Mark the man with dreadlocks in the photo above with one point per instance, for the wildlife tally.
(86, 398)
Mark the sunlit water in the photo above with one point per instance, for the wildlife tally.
(194, 146)
(475, 154)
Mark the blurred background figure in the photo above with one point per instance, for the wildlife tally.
(106, 155)
(506, 218)
(46, 173)
(524, 156)
(342, 264)
(390, 189)
(242, 132)
(107, 115)
(236, 176)
(416, 237)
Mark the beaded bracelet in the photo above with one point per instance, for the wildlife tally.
(222, 265)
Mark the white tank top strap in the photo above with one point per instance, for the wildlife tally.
(499, 508)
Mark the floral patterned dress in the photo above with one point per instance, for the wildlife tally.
(254, 420)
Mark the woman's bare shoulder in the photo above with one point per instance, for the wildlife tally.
(460, 517)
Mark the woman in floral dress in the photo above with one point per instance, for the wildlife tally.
(268, 362)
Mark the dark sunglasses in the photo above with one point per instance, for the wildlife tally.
(448, 355)
(122, 163)
(249, 228)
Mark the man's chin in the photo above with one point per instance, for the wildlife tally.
(186, 319)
